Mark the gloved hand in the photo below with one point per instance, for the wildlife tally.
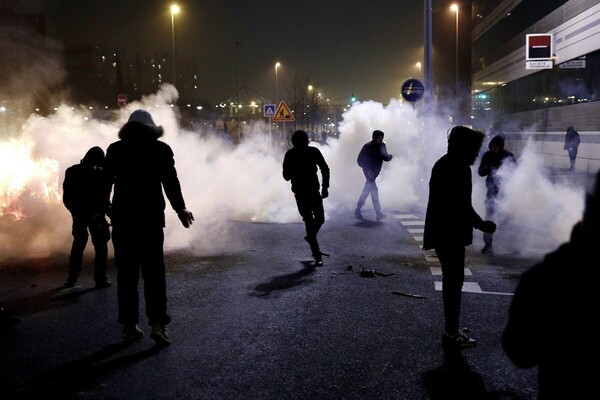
(488, 227)
(324, 193)
(185, 217)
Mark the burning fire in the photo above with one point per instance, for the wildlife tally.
(24, 179)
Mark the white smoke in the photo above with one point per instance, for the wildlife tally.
(222, 181)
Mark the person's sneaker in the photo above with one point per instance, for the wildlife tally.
(132, 332)
(380, 216)
(102, 285)
(458, 341)
(159, 335)
(358, 214)
(318, 261)
(488, 249)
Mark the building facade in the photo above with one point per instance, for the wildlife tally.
(538, 104)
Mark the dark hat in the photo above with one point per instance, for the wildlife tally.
(377, 133)
(94, 156)
(141, 116)
(300, 139)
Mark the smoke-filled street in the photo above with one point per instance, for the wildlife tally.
(255, 321)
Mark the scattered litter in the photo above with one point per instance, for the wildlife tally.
(370, 273)
(349, 268)
(416, 296)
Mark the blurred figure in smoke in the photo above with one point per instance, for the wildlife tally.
(85, 195)
(449, 223)
(300, 166)
(572, 141)
(370, 159)
(557, 295)
(140, 166)
(491, 161)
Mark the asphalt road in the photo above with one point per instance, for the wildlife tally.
(260, 323)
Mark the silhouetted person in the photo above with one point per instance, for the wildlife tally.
(449, 222)
(490, 163)
(140, 166)
(572, 141)
(85, 196)
(370, 159)
(300, 165)
(553, 315)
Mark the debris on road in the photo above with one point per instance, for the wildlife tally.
(416, 296)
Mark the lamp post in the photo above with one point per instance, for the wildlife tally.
(277, 65)
(454, 7)
(418, 65)
(174, 10)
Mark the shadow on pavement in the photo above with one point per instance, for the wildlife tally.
(455, 379)
(47, 300)
(74, 376)
(283, 282)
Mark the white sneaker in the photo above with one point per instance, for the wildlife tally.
(160, 336)
(132, 332)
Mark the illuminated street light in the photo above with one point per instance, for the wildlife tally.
(418, 65)
(174, 10)
(454, 7)
(277, 65)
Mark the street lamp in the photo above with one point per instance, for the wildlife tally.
(277, 65)
(418, 65)
(454, 7)
(174, 10)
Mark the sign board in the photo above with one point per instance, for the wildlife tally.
(540, 46)
(412, 90)
(283, 113)
(579, 63)
(268, 110)
(121, 99)
(539, 65)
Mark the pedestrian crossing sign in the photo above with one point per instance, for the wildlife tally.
(268, 110)
(283, 113)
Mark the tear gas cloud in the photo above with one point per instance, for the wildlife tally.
(222, 181)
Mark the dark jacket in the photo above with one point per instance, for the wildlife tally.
(372, 155)
(85, 190)
(300, 165)
(491, 162)
(552, 321)
(572, 139)
(140, 167)
(450, 216)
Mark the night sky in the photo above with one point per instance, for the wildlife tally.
(366, 47)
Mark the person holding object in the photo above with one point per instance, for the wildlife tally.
(572, 141)
(370, 159)
(490, 163)
(559, 292)
(449, 222)
(140, 167)
(300, 165)
(85, 196)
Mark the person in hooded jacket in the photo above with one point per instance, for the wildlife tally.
(300, 165)
(370, 159)
(84, 195)
(572, 141)
(140, 167)
(490, 163)
(550, 297)
(449, 222)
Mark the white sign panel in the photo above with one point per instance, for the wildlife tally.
(539, 65)
(573, 64)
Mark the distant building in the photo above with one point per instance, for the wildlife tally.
(526, 101)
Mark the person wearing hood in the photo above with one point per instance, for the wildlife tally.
(139, 167)
(370, 159)
(300, 165)
(85, 196)
(572, 141)
(490, 163)
(557, 294)
(449, 222)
